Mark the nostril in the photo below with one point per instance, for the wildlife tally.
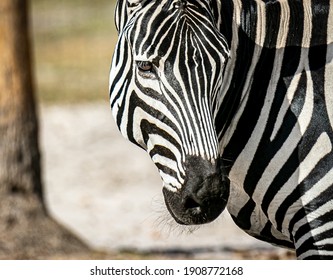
(190, 203)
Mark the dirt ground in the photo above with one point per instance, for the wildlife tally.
(108, 192)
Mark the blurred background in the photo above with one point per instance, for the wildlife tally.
(73, 45)
(97, 184)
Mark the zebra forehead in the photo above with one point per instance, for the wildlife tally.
(156, 29)
(168, 12)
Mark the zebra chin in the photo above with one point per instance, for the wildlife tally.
(203, 196)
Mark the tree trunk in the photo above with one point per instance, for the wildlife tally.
(26, 231)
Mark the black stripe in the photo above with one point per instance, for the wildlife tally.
(320, 12)
(167, 170)
(227, 13)
(296, 23)
(251, 115)
(273, 19)
(267, 236)
(148, 128)
(164, 151)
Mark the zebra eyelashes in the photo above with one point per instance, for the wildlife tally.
(145, 66)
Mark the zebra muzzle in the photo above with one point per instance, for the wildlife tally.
(203, 196)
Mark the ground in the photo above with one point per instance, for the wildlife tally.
(108, 192)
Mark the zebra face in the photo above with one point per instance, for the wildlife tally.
(166, 73)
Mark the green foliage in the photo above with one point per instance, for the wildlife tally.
(73, 44)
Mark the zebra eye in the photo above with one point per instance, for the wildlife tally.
(145, 66)
(146, 70)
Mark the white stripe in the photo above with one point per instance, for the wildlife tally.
(321, 148)
(169, 182)
(307, 31)
(313, 233)
(330, 25)
(261, 23)
(324, 242)
(320, 211)
(170, 164)
(315, 253)
(329, 77)
(284, 25)
(288, 147)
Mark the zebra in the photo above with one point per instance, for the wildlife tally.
(233, 102)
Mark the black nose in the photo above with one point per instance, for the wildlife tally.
(203, 196)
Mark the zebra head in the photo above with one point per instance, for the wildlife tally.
(165, 75)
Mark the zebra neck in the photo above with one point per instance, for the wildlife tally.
(243, 25)
(267, 23)
(258, 32)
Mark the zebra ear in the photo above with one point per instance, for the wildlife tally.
(124, 8)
